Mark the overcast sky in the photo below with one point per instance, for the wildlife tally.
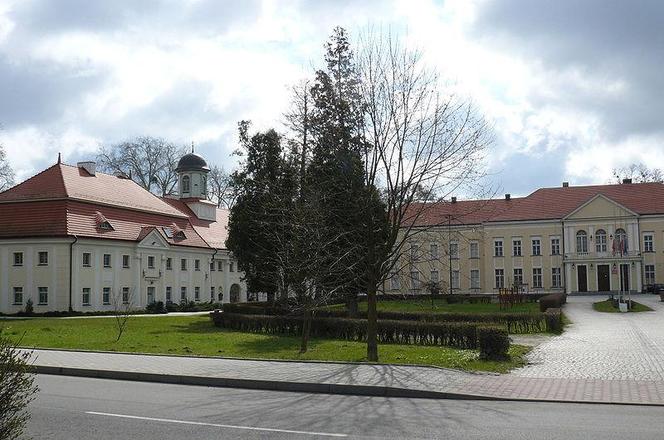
(571, 88)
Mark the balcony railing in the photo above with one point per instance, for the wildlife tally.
(601, 255)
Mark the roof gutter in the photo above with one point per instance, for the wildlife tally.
(71, 271)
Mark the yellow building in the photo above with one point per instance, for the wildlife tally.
(602, 238)
(72, 238)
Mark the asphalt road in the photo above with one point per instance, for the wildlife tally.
(83, 408)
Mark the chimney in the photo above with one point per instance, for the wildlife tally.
(565, 184)
(453, 199)
(88, 166)
(508, 196)
(627, 180)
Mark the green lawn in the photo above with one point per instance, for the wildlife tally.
(607, 306)
(195, 335)
(440, 306)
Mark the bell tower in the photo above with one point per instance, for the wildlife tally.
(193, 172)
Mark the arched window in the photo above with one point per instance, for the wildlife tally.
(185, 184)
(204, 186)
(235, 293)
(620, 241)
(581, 242)
(600, 240)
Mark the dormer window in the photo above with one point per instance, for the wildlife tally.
(186, 184)
(102, 222)
(174, 232)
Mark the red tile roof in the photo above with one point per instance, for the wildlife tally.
(64, 200)
(463, 212)
(66, 181)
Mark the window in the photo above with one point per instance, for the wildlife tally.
(434, 251)
(183, 294)
(169, 264)
(600, 240)
(107, 260)
(434, 276)
(415, 280)
(106, 295)
(43, 295)
(211, 293)
(86, 296)
(555, 277)
(204, 185)
(516, 247)
(221, 294)
(474, 279)
(125, 261)
(500, 278)
(151, 290)
(454, 249)
(537, 277)
(395, 282)
(43, 258)
(125, 295)
(518, 276)
(555, 246)
(169, 294)
(455, 279)
(648, 243)
(197, 265)
(581, 242)
(87, 259)
(18, 295)
(414, 250)
(650, 273)
(211, 266)
(183, 264)
(537, 246)
(498, 248)
(620, 242)
(185, 184)
(474, 249)
(230, 266)
(220, 266)
(197, 293)
(18, 258)
(150, 261)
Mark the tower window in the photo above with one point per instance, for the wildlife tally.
(185, 184)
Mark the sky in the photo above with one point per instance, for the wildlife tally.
(570, 89)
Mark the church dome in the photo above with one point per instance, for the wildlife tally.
(192, 162)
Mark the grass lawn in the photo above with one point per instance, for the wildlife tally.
(196, 335)
(607, 306)
(440, 305)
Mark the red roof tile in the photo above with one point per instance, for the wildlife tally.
(214, 233)
(34, 219)
(463, 212)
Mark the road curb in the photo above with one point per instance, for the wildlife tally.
(303, 387)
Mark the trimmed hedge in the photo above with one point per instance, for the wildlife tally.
(450, 334)
(553, 300)
(493, 342)
(554, 320)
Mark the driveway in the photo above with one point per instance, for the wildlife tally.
(599, 345)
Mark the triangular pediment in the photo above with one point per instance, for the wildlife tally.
(153, 239)
(600, 206)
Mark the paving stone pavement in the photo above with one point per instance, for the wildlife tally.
(614, 346)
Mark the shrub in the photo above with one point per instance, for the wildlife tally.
(156, 307)
(554, 320)
(452, 334)
(554, 300)
(493, 342)
(29, 307)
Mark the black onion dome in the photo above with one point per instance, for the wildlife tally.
(192, 162)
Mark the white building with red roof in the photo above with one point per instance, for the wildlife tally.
(72, 238)
(597, 238)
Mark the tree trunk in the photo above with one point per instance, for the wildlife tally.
(372, 323)
(306, 330)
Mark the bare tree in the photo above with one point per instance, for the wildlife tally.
(150, 161)
(421, 144)
(6, 172)
(122, 306)
(638, 173)
(221, 187)
(298, 120)
(17, 388)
